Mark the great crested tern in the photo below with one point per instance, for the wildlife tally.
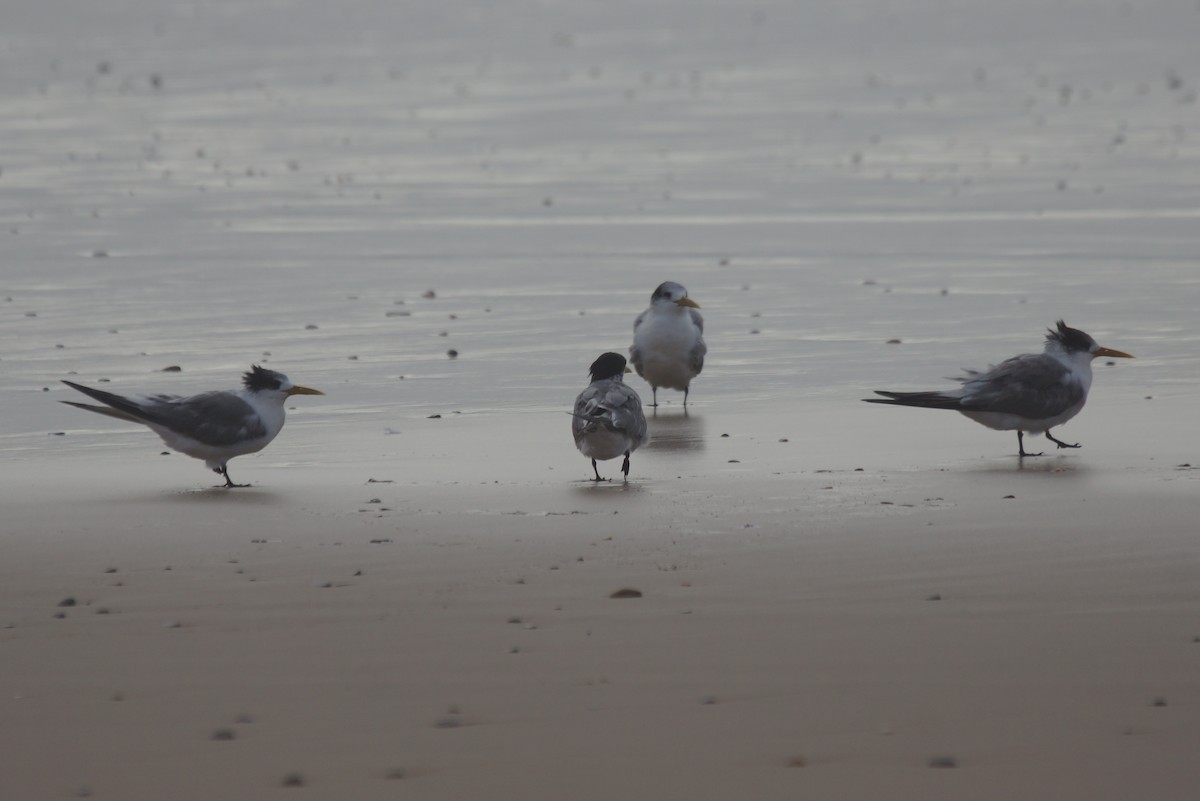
(608, 420)
(1032, 393)
(213, 426)
(668, 341)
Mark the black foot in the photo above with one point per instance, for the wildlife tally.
(1021, 446)
(597, 472)
(1060, 443)
(224, 473)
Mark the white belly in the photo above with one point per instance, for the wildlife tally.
(604, 444)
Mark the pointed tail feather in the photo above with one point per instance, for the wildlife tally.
(128, 409)
(106, 410)
(923, 400)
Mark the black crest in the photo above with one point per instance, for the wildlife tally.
(260, 379)
(1071, 339)
(609, 365)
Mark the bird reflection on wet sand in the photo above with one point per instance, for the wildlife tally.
(676, 432)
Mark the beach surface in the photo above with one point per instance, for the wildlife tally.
(422, 594)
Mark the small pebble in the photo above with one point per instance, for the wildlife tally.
(626, 592)
(452, 353)
(397, 773)
(943, 762)
(67, 602)
(1158, 701)
(797, 761)
(224, 734)
(293, 780)
(937, 596)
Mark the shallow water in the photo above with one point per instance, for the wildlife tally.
(217, 185)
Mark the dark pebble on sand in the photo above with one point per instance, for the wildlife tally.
(797, 761)
(626, 592)
(453, 354)
(172, 368)
(434, 417)
(1158, 701)
(429, 294)
(293, 780)
(397, 773)
(224, 734)
(67, 602)
(310, 327)
(893, 342)
(937, 596)
(943, 762)
(99, 254)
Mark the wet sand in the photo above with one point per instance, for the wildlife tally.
(980, 628)
(414, 597)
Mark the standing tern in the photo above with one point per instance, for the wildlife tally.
(1032, 392)
(608, 420)
(213, 426)
(668, 340)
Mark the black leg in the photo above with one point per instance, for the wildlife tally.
(654, 396)
(1059, 442)
(625, 467)
(1021, 445)
(597, 478)
(685, 392)
(223, 471)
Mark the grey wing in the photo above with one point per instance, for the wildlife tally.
(625, 410)
(635, 353)
(213, 418)
(1032, 385)
(696, 356)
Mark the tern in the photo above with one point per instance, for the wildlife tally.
(608, 420)
(668, 341)
(1032, 393)
(213, 426)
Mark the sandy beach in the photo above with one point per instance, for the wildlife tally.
(421, 594)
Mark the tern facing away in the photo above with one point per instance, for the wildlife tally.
(608, 420)
(213, 426)
(668, 341)
(1033, 392)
